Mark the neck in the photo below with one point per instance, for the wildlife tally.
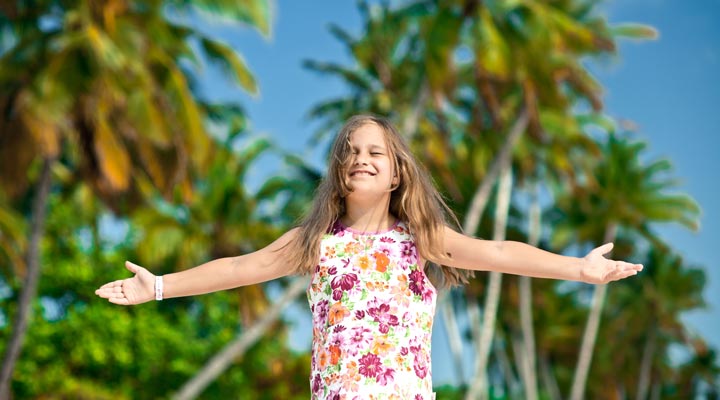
(369, 217)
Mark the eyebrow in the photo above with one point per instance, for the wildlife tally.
(372, 147)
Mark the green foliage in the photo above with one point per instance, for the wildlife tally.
(80, 346)
(454, 75)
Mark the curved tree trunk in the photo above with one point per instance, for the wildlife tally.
(527, 366)
(453, 335)
(445, 303)
(646, 364)
(501, 162)
(548, 378)
(220, 362)
(32, 275)
(470, 226)
(591, 330)
(479, 382)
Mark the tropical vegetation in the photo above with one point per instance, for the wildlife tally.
(109, 152)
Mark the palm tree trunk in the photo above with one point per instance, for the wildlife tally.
(527, 366)
(511, 379)
(591, 330)
(501, 162)
(412, 119)
(220, 362)
(646, 364)
(492, 299)
(480, 200)
(470, 226)
(655, 394)
(548, 378)
(445, 304)
(454, 338)
(32, 275)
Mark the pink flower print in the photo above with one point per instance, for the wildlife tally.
(341, 284)
(345, 282)
(404, 351)
(427, 294)
(387, 239)
(387, 249)
(321, 312)
(408, 252)
(336, 340)
(337, 295)
(370, 365)
(337, 229)
(415, 349)
(417, 282)
(359, 314)
(420, 366)
(332, 270)
(359, 338)
(316, 384)
(385, 376)
(420, 370)
(382, 315)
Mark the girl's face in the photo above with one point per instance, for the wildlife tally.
(370, 171)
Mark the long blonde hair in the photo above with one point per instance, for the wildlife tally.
(414, 200)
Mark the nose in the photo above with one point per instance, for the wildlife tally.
(360, 159)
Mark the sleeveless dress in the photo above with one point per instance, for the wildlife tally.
(372, 309)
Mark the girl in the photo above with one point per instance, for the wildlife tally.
(374, 237)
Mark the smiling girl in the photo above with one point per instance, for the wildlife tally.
(377, 246)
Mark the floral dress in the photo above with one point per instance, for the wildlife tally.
(373, 309)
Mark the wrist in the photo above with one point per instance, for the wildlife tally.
(158, 287)
(581, 270)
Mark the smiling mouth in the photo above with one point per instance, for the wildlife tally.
(361, 173)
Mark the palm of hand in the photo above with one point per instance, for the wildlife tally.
(600, 270)
(135, 290)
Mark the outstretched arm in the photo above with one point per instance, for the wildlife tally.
(522, 259)
(223, 273)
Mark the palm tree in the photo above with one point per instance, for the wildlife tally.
(224, 219)
(12, 240)
(106, 82)
(645, 314)
(516, 71)
(621, 193)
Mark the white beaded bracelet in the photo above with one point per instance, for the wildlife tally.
(158, 288)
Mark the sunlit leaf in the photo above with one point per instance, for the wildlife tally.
(231, 63)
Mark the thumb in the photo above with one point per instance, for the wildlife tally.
(606, 248)
(134, 268)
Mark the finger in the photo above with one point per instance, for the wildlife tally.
(134, 268)
(106, 294)
(111, 284)
(604, 249)
(109, 288)
(624, 275)
(122, 301)
(631, 267)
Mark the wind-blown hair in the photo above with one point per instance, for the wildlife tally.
(414, 201)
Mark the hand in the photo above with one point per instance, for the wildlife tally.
(598, 269)
(138, 289)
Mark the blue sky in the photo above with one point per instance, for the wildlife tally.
(670, 88)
